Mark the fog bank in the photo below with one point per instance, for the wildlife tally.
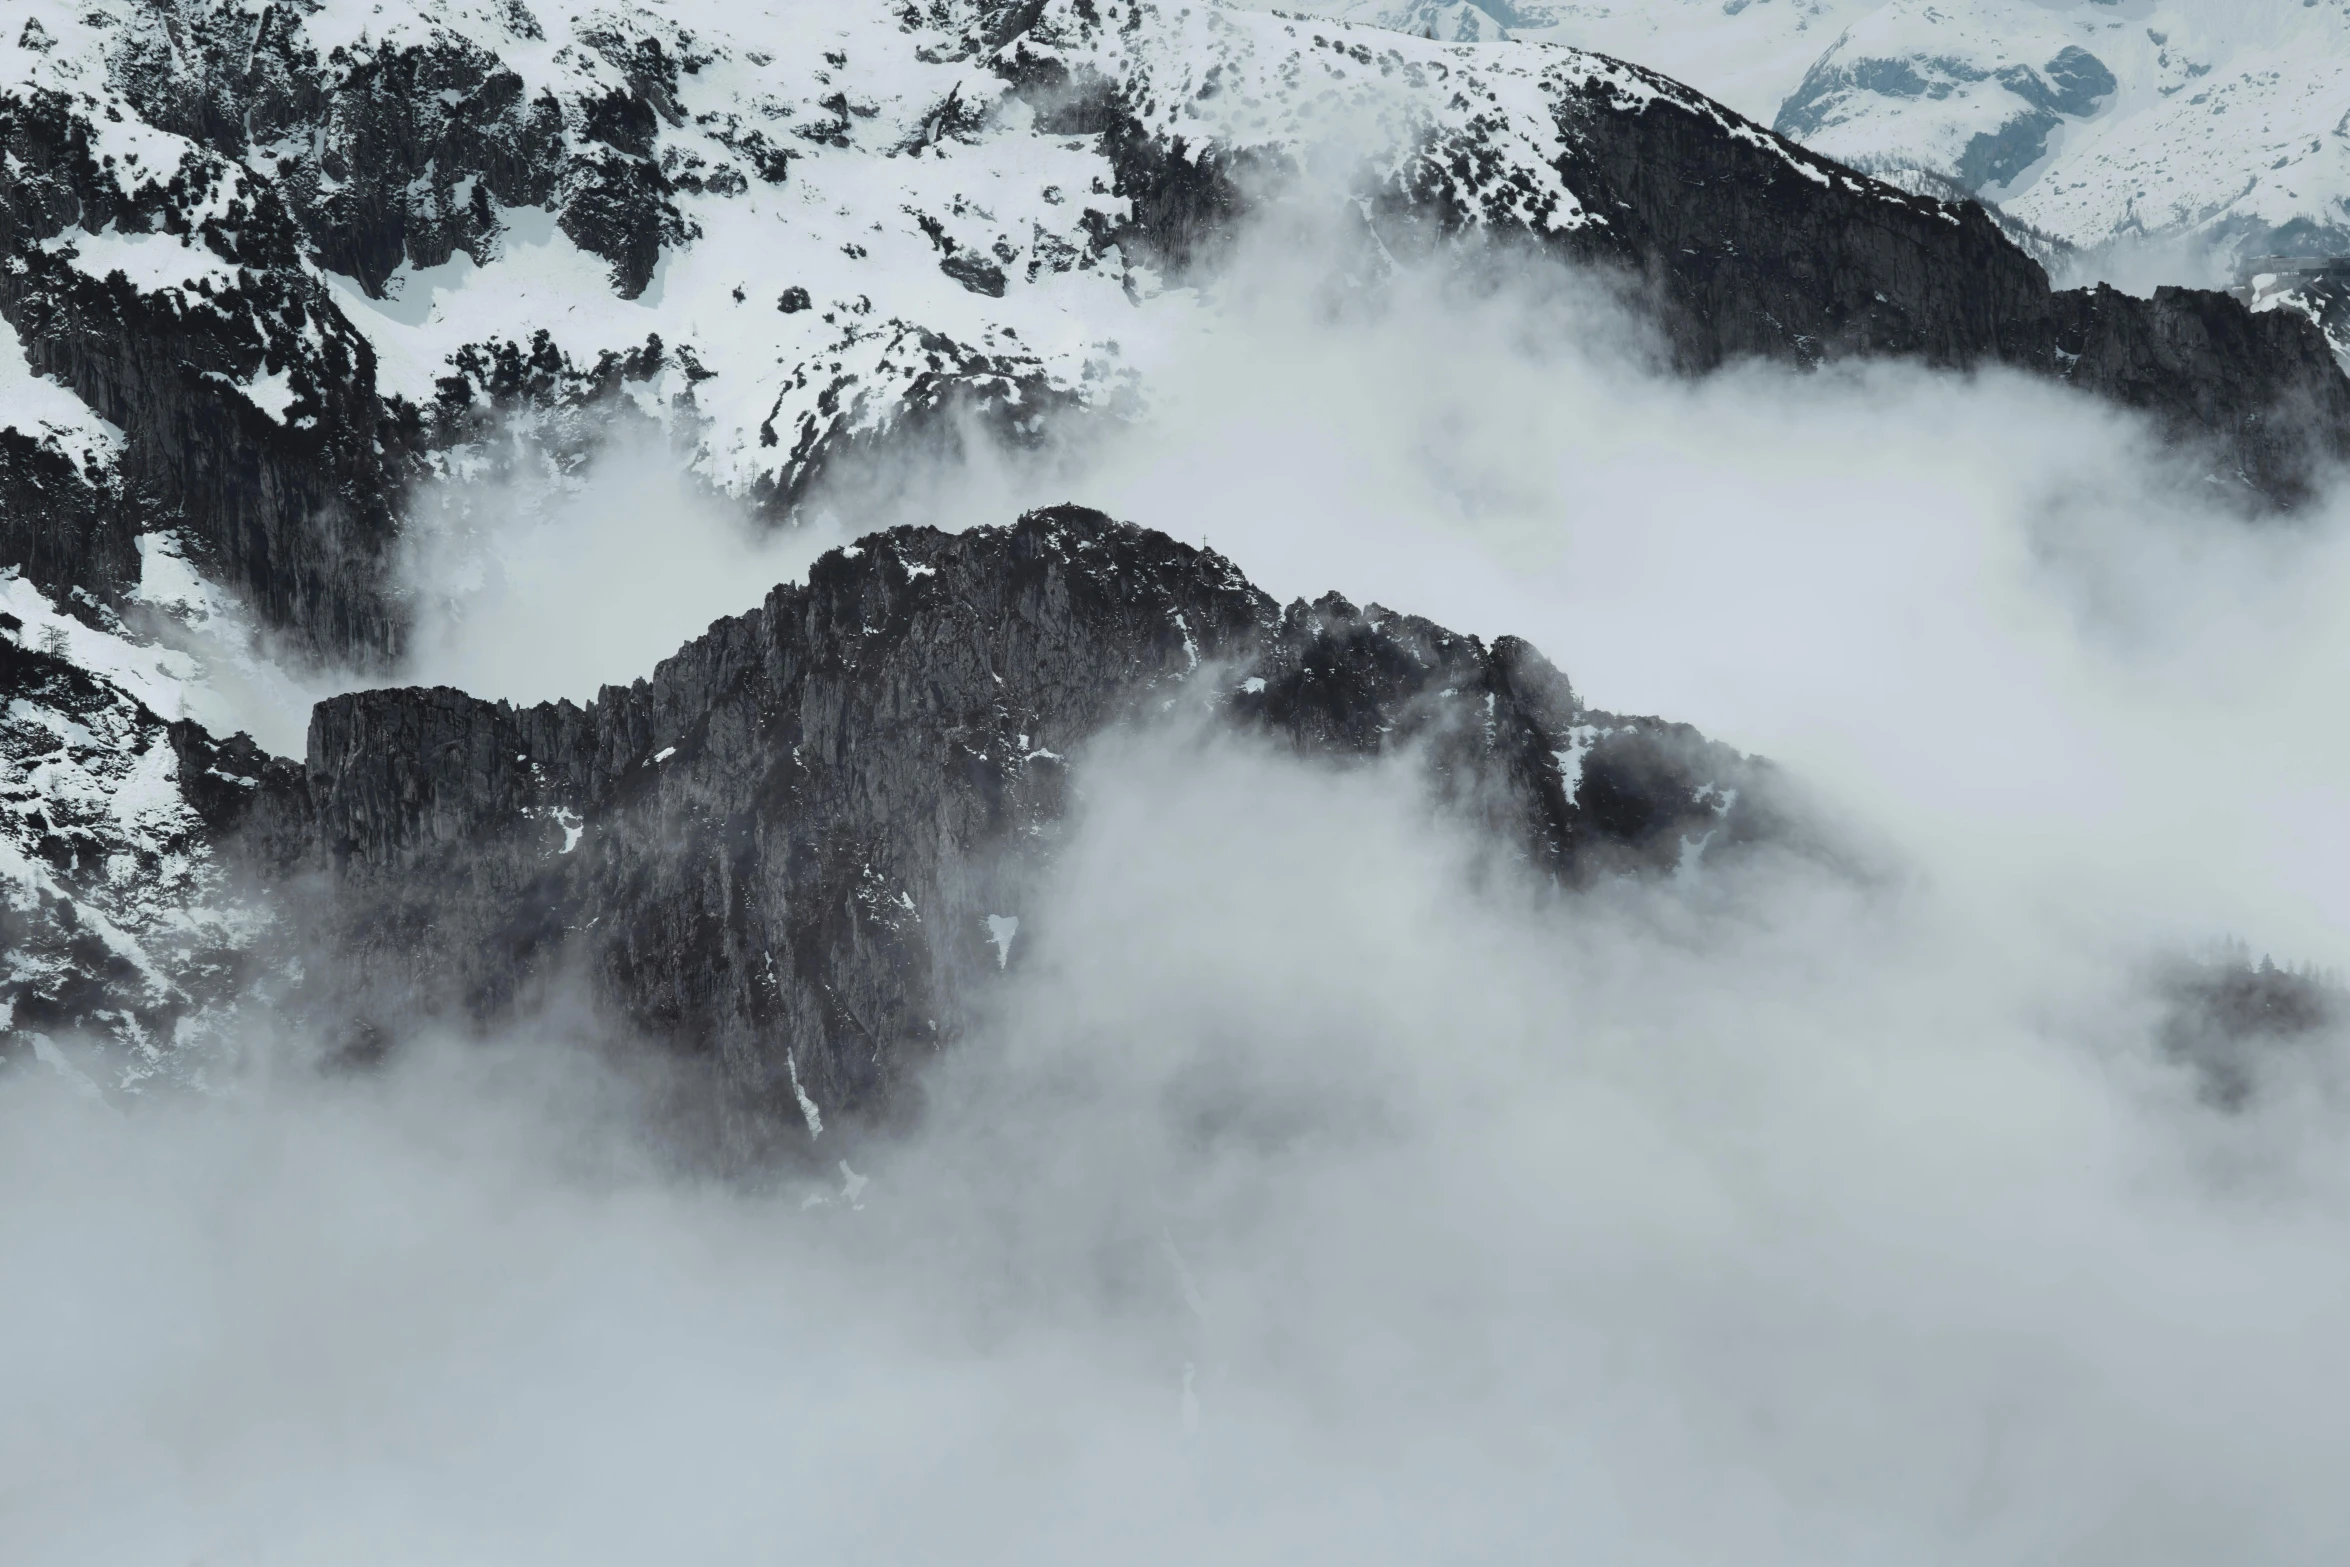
(1318, 1186)
(1308, 1194)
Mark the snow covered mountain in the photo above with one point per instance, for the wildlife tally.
(269, 271)
(2216, 128)
(1747, 56)
(2221, 125)
(300, 260)
(119, 920)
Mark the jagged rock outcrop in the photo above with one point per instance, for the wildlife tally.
(2316, 288)
(1768, 251)
(285, 262)
(805, 845)
(2262, 391)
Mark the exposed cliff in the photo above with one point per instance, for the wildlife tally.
(267, 268)
(1760, 250)
(171, 296)
(807, 843)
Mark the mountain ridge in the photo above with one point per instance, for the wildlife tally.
(1013, 185)
(796, 848)
(925, 221)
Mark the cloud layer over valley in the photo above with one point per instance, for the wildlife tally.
(1318, 1186)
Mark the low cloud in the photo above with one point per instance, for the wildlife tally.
(1310, 1189)
(552, 577)
(1314, 1189)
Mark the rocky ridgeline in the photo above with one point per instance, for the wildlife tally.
(248, 399)
(802, 845)
(805, 850)
(1744, 245)
(198, 192)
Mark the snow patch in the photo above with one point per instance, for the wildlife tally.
(1001, 928)
(36, 406)
(150, 263)
(808, 1111)
(1570, 761)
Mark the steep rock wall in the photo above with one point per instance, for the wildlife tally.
(798, 845)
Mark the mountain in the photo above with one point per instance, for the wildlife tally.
(301, 260)
(2215, 131)
(801, 849)
(2216, 125)
(118, 918)
(270, 271)
(1747, 56)
(805, 847)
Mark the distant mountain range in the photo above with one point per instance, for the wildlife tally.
(2218, 130)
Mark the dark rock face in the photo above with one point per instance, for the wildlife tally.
(417, 146)
(786, 847)
(360, 162)
(2262, 390)
(116, 922)
(1752, 247)
(291, 504)
(1744, 245)
(63, 526)
(2318, 289)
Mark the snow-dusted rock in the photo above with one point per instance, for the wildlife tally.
(292, 260)
(2316, 288)
(118, 925)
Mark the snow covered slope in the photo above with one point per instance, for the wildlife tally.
(1978, 95)
(296, 259)
(779, 228)
(117, 921)
(2221, 123)
(1747, 55)
(2100, 123)
(368, 237)
(292, 262)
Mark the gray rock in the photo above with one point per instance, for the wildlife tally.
(295, 512)
(782, 851)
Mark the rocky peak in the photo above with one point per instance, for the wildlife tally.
(799, 844)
